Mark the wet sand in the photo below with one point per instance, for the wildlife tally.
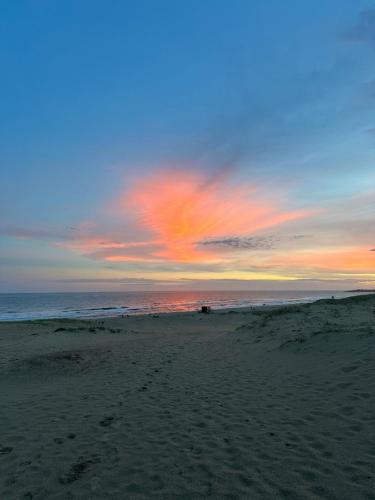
(271, 402)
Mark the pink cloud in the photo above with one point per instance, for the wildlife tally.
(165, 217)
(180, 209)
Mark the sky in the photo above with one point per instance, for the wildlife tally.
(201, 144)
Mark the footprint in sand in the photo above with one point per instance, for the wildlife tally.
(77, 469)
(348, 369)
(107, 421)
(5, 450)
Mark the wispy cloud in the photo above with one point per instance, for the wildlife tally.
(364, 29)
(181, 217)
(250, 242)
(182, 208)
(189, 222)
(242, 242)
(33, 233)
(120, 281)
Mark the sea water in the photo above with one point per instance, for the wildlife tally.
(22, 306)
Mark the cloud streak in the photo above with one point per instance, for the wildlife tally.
(180, 209)
(238, 242)
(249, 242)
(176, 217)
(33, 233)
(364, 30)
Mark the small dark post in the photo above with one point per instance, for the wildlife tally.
(206, 309)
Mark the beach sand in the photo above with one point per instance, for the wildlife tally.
(269, 402)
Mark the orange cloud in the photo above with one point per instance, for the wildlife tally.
(180, 209)
(350, 260)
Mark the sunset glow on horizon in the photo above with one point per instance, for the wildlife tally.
(213, 227)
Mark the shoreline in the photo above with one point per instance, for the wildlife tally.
(126, 313)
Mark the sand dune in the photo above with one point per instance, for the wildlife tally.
(274, 402)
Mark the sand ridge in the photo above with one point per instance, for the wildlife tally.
(273, 402)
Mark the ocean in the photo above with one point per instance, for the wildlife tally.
(23, 306)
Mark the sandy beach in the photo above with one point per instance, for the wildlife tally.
(269, 402)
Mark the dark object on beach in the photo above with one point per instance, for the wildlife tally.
(205, 309)
(5, 449)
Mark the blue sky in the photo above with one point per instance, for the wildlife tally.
(96, 96)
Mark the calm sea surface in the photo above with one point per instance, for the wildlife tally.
(18, 306)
